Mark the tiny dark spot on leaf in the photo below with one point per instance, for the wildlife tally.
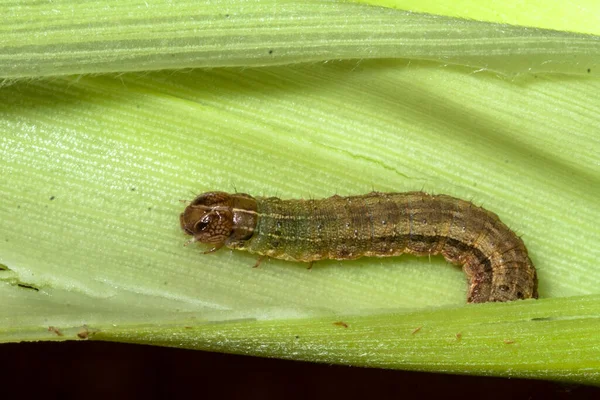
(52, 198)
(589, 70)
(133, 189)
(270, 51)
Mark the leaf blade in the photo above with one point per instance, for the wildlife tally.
(99, 37)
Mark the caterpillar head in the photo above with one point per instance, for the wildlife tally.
(219, 218)
(208, 218)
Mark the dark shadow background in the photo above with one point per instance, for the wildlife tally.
(98, 370)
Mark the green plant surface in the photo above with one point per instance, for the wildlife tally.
(527, 341)
(82, 37)
(93, 169)
(575, 15)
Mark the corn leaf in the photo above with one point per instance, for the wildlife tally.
(93, 168)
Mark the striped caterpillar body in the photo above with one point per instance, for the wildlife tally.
(373, 225)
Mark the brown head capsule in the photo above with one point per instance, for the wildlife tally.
(219, 218)
(494, 259)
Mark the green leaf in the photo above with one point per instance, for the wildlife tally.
(575, 16)
(74, 37)
(93, 168)
(525, 339)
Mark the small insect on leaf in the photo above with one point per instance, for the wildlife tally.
(493, 257)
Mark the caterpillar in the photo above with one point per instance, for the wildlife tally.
(377, 224)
